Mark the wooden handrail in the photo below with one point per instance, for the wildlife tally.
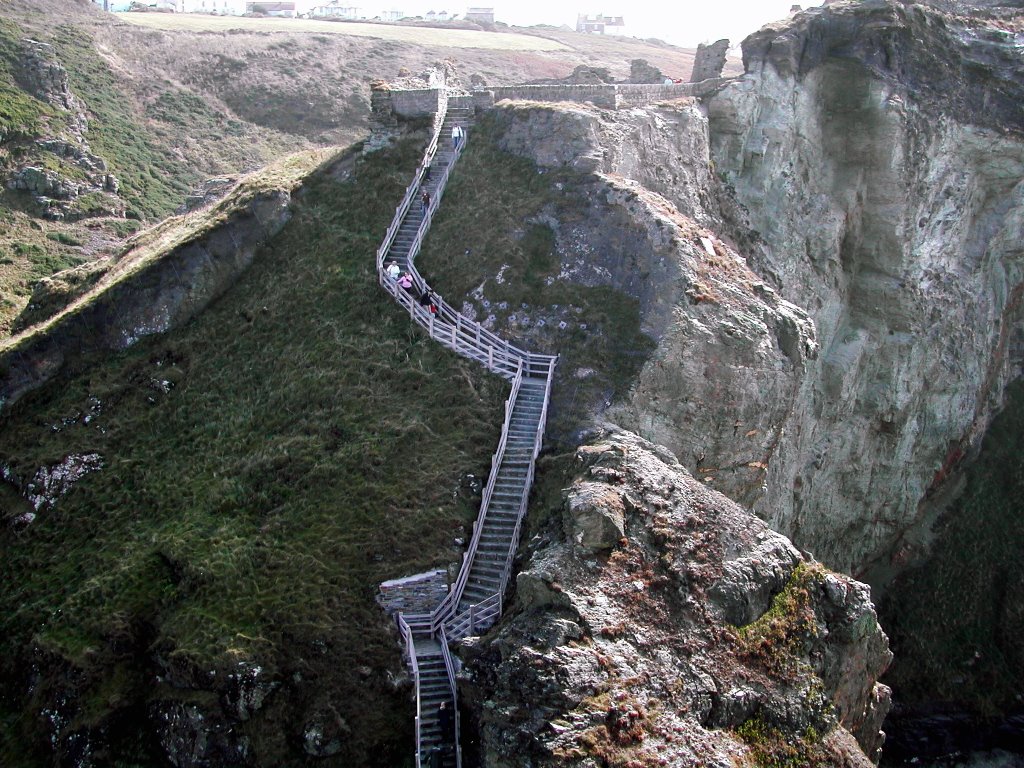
(410, 647)
(449, 666)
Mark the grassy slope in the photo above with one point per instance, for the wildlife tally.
(959, 617)
(311, 446)
(170, 108)
(157, 138)
(494, 206)
(285, 175)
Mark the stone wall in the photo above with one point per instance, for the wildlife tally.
(388, 105)
(420, 102)
(420, 593)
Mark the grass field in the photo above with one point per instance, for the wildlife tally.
(425, 36)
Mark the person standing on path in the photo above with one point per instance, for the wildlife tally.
(457, 134)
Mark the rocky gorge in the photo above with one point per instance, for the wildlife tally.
(824, 258)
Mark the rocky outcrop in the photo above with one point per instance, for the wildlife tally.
(732, 354)
(42, 75)
(709, 61)
(868, 170)
(699, 637)
(876, 149)
(79, 185)
(161, 294)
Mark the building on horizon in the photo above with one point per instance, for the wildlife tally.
(335, 10)
(599, 24)
(219, 7)
(480, 15)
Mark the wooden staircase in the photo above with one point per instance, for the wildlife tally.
(474, 602)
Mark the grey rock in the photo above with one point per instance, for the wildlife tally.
(595, 516)
(709, 61)
(630, 642)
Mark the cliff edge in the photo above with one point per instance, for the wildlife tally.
(657, 623)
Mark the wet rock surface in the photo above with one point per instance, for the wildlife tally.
(628, 654)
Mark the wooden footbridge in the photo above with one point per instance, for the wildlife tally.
(474, 601)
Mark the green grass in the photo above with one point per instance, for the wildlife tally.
(772, 748)
(307, 444)
(780, 638)
(21, 115)
(956, 622)
(152, 181)
(43, 259)
(64, 238)
(495, 206)
(140, 251)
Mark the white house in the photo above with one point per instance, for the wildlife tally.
(600, 24)
(483, 15)
(336, 10)
(156, 5)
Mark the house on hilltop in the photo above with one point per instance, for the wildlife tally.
(598, 25)
(167, 6)
(392, 15)
(439, 16)
(480, 15)
(336, 10)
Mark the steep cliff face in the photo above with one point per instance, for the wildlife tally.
(731, 352)
(868, 169)
(877, 150)
(657, 623)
